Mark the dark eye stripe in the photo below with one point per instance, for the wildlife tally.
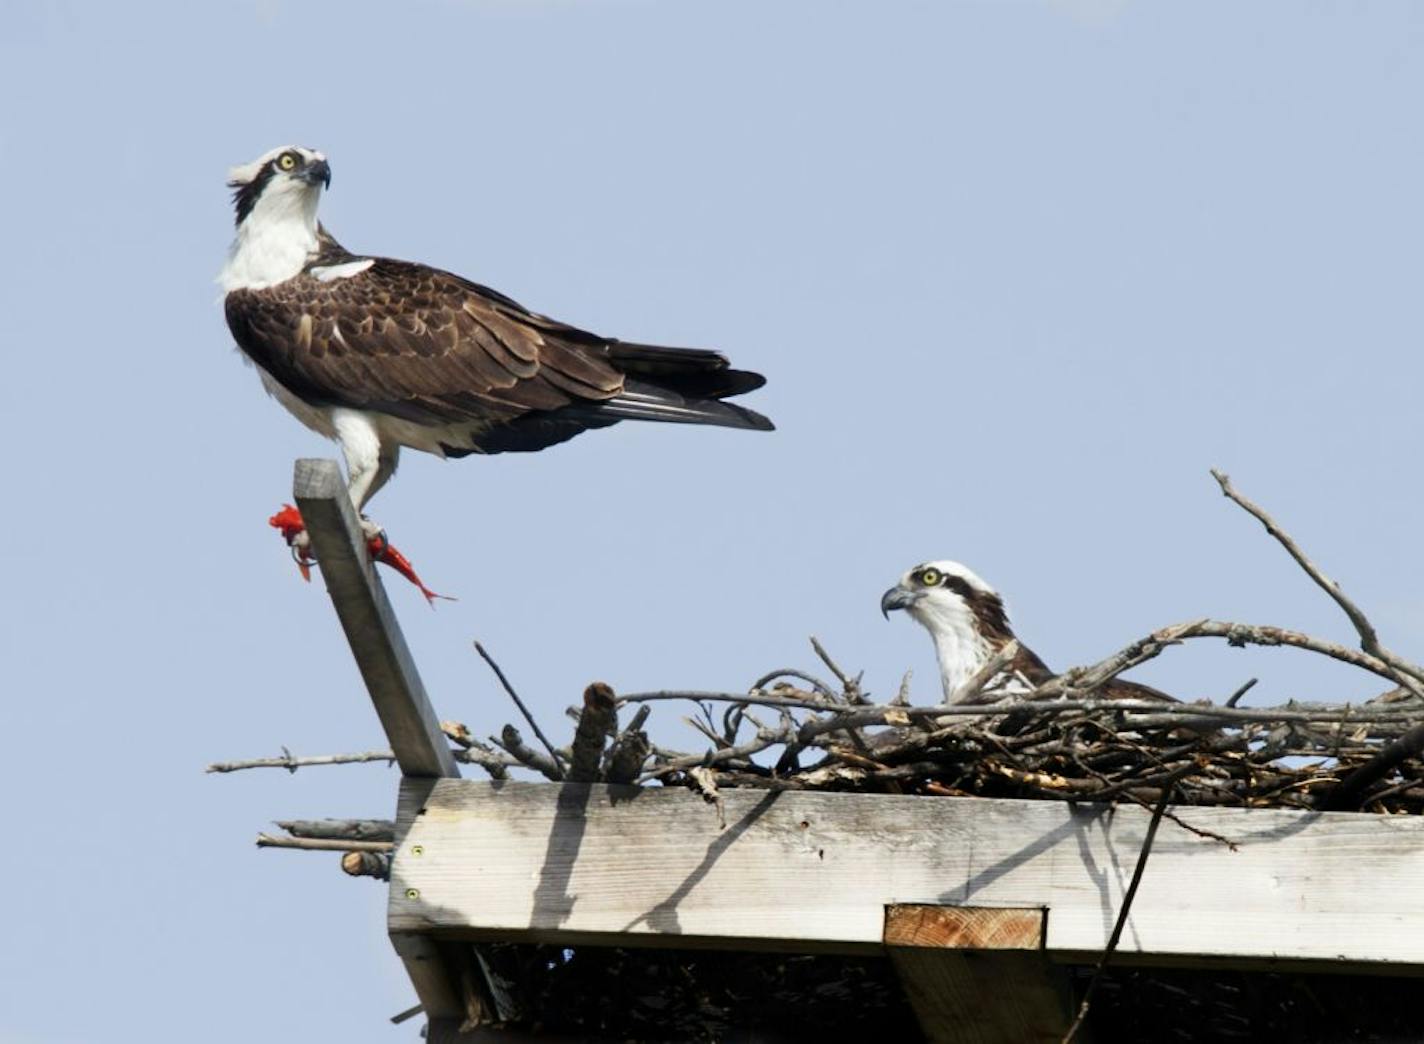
(960, 586)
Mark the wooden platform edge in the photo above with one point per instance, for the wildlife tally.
(590, 864)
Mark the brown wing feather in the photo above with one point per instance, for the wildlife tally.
(1028, 664)
(420, 343)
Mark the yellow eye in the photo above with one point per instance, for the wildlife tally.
(287, 161)
(930, 578)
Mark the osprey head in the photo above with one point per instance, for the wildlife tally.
(285, 182)
(947, 596)
(964, 615)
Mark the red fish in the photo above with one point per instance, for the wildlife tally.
(289, 523)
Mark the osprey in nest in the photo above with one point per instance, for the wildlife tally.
(381, 354)
(967, 620)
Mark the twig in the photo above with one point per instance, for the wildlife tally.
(764, 739)
(1246, 687)
(1157, 814)
(538, 732)
(902, 695)
(322, 844)
(1348, 793)
(1199, 831)
(512, 742)
(629, 751)
(460, 734)
(347, 829)
(291, 762)
(850, 689)
(1148, 712)
(1410, 675)
(974, 684)
(790, 672)
(849, 686)
(1397, 789)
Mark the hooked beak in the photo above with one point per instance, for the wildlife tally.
(318, 171)
(898, 598)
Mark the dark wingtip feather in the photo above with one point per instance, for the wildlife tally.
(647, 402)
(737, 382)
(754, 420)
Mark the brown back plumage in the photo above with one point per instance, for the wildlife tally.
(432, 348)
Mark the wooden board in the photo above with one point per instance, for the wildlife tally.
(370, 625)
(392, 681)
(808, 871)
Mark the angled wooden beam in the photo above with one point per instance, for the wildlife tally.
(978, 975)
(392, 681)
(384, 659)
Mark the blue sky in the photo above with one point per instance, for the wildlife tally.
(1018, 273)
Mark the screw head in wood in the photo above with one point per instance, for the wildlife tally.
(417, 850)
(412, 893)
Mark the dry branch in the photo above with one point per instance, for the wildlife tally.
(367, 864)
(1408, 674)
(459, 734)
(630, 750)
(322, 844)
(490, 762)
(974, 685)
(513, 743)
(341, 829)
(538, 732)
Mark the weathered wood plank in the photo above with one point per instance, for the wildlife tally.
(392, 681)
(978, 975)
(371, 627)
(802, 871)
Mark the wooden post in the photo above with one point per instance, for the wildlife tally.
(384, 659)
(376, 640)
(978, 975)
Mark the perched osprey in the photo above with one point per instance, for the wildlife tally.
(380, 354)
(968, 622)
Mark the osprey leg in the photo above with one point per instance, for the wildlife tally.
(361, 446)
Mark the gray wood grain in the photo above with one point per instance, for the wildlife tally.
(815, 871)
(370, 625)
